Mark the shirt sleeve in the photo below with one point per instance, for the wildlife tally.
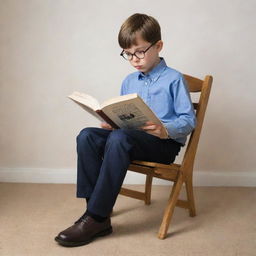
(184, 120)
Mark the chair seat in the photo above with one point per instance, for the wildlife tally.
(157, 170)
(154, 164)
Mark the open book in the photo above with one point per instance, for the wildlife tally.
(126, 111)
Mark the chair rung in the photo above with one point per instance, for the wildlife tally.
(182, 204)
(133, 193)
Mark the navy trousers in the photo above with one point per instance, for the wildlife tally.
(104, 156)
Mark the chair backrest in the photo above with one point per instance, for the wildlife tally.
(204, 87)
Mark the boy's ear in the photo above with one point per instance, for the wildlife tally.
(159, 45)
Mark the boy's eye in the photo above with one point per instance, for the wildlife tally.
(139, 54)
(128, 54)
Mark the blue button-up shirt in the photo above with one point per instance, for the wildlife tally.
(165, 91)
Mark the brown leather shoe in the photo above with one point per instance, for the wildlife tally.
(84, 232)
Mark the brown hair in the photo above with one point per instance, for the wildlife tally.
(146, 26)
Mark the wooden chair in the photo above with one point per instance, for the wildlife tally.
(178, 173)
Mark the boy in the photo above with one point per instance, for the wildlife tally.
(104, 154)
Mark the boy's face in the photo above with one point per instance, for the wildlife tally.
(151, 57)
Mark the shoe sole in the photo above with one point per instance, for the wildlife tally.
(74, 244)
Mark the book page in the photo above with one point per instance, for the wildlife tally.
(131, 114)
(119, 99)
(91, 111)
(85, 99)
(87, 102)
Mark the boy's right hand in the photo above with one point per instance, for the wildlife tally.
(106, 126)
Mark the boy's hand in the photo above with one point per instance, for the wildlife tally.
(155, 129)
(106, 126)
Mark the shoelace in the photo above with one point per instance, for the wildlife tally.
(82, 218)
(85, 219)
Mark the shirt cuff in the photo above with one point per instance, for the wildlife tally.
(172, 131)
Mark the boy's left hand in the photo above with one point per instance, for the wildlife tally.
(155, 129)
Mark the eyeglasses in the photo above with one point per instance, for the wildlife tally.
(138, 54)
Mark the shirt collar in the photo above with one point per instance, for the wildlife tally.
(155, 72)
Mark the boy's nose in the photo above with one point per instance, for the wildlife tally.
(135, 59)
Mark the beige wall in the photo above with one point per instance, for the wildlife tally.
(50, 48)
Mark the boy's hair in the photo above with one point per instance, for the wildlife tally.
(146, 26)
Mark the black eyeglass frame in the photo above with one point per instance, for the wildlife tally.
(134, 54)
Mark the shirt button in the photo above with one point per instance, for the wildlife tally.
(146, 83)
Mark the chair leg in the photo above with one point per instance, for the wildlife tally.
(190, 196)
(170, 207)
(148, 187)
